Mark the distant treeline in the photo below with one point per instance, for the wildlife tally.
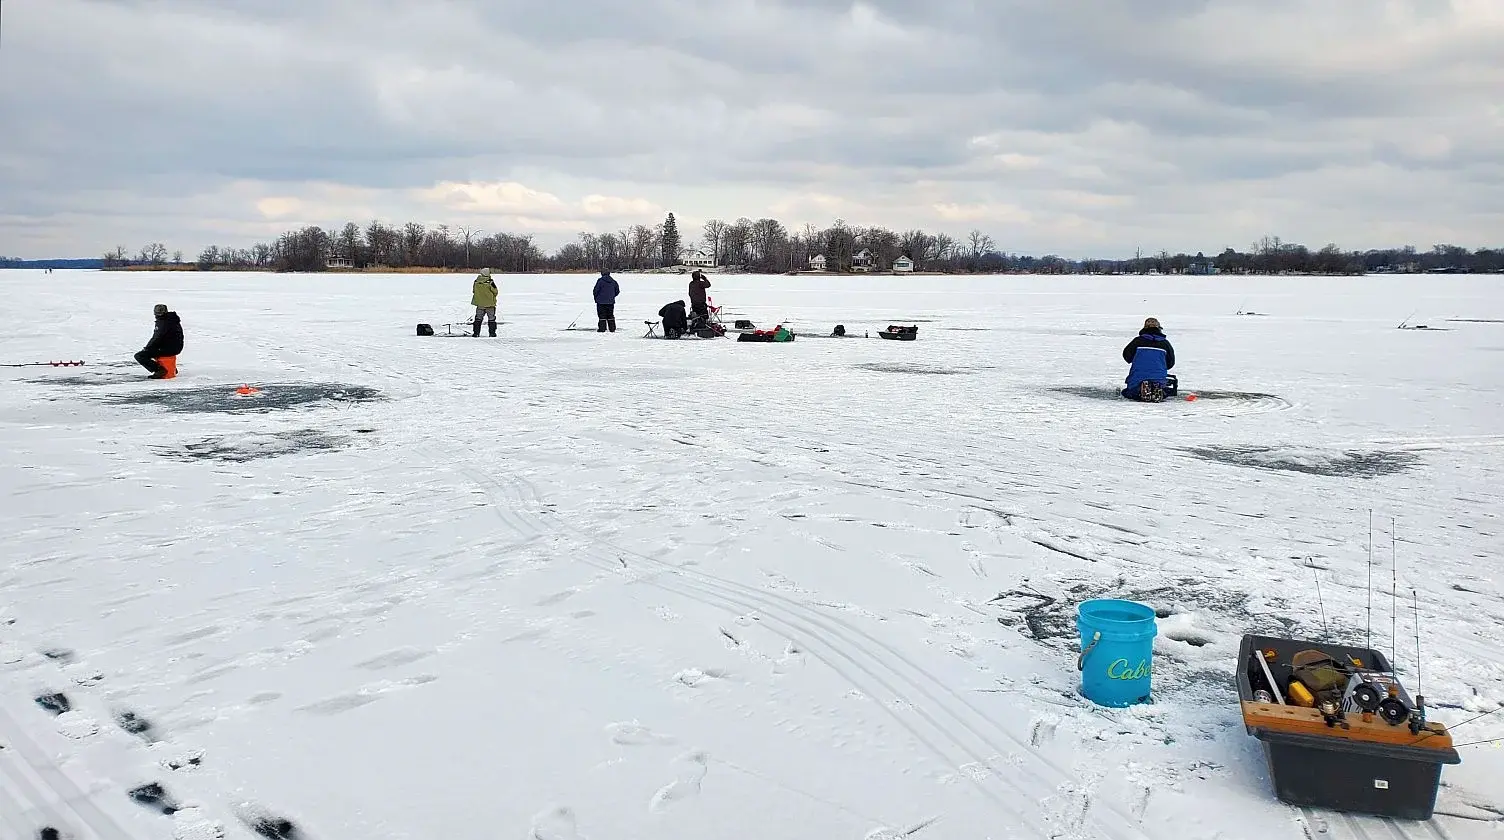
(767, 246)
(17, 262)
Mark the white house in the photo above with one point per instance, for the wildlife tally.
(862, 261)
(903, 264)
(340, 262)
(699, 258)
(817, 262)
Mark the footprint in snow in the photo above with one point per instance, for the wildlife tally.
(887, 833)
(365, 695)
(136, 725)
(636, 735)
(84, 675)
(76, 725)
(791, 660)
(191, 824)
(177, 758)
(692, 677)
(394, 658)
(557, 597)
(556, 823)
(57, 703)
(266, 823)
(691, 768)
(155, 797)
(1043, 730)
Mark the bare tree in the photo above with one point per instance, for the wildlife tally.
(154, 254)
(980, 244)
(770, 245)
(715, 235)
(349, 243)
(919, 246)
(735, 242)
(438, 248)
(644, 244)
(466, 234)
(413, 234)
(610, 251)
(383, 243)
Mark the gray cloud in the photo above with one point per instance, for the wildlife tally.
(1164, 123)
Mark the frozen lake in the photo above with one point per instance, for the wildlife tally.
(559, 585)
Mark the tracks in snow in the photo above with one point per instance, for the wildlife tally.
(950, 727)
(41, 792)
(33, 787)
(1330, 825)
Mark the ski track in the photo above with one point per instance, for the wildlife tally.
(863, 661)
(1328, 825)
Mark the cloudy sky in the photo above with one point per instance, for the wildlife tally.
(1079, 128)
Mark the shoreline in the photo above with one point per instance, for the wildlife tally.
(685, 270)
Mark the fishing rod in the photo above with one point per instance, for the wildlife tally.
(44, 364)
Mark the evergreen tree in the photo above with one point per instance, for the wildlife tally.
(670, 241)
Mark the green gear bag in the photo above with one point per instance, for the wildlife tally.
(1319, 672)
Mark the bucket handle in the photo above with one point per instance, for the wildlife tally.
(1081, 660)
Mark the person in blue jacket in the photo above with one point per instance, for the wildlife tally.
(1151, 358)
(606, 290)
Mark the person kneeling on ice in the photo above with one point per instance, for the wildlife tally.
(1151, 358)
(675, 319)
(606, 291)
(160, 355)
(483, 298)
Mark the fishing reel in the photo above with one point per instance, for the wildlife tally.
(1377, 693)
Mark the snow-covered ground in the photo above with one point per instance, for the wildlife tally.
(563, 585)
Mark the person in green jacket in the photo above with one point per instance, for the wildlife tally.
(483, 298)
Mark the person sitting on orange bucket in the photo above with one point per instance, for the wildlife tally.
(161, 352)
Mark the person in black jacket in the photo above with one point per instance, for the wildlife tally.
(166, 340)
(698, 295)
(675, 319)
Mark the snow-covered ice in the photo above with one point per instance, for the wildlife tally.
(559, 585)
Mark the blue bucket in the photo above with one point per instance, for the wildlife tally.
(1117, 651)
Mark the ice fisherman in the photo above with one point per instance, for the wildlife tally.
(160, 355)
(1151, 358)
(483, 298)
(675, 319)
(697, 300)
(605, 292)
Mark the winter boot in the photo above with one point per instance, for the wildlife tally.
(475, 332)
(1151, 391)
(491, 326)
